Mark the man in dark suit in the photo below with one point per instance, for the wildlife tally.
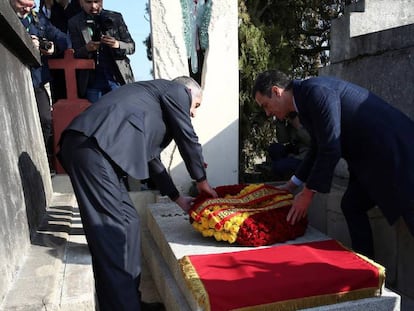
(348, 121)
(49, 40)
(124, 134)
(101, 35)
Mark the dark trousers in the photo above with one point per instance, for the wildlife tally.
(45, 112)
(110, 221)
(355, 205)
(408, 216)
(283, 165)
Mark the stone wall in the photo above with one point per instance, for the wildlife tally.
(372, 45)
(217, 121)
(25, 187)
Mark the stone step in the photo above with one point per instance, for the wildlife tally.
(170, 237)
(56, 274)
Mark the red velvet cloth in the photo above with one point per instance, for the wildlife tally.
(284, 273)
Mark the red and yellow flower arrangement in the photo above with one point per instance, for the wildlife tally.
(250, 215)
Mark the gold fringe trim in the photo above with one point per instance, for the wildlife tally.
(200, 294)
(193, 282)
(381, 269)
(314, 301)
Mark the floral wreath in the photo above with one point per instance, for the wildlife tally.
(250, 215)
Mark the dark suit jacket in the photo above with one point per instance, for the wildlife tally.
(80, 36)
(59, 16)
(376, 140)
(134, 123)
(40, 26)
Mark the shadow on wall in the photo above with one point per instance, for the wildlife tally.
(34, 192)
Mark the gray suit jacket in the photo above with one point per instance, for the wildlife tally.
(135, 122)
(80, 36)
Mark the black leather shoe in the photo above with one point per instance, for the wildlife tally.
(152, 306)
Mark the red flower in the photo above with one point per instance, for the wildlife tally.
(266, 223)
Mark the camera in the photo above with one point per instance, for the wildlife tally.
(45, 44)
(99, 24)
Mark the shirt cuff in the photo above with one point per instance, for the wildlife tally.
(296, 181)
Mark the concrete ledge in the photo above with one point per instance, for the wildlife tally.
(165, 282)
(169, 237)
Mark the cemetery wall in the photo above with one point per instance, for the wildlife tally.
(372, 45)
(25, 188)
(217, 120)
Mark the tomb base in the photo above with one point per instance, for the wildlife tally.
(168, 237)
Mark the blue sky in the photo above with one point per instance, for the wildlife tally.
(138, 24)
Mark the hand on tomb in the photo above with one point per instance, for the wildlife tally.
(289, 186)
(185, 203)
(300, 205)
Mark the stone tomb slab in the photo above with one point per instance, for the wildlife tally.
(168, 237)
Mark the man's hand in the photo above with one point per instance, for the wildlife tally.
(49, 51)
(185, 203)
(36, 43)
(289, 186)
(110, 41)
(300, 206)
(92, 46)
(203, 186)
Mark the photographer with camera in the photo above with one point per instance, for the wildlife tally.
(48, 40)
(101, 35)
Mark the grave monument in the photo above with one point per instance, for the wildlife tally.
(217, 122)
(168, 235)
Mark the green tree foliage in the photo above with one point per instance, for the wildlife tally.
(254, 55)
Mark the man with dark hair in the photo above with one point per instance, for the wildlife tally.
(101, 35)
(124, 134)
(348, 121)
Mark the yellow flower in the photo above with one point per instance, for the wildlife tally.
(228, 225)
(207, 233)
(204, 223)
(218, 236)
(234, 229)
(232, 238)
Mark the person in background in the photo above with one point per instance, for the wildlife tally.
(348, 121)
(101, 35)
(59, 12)
(292, 144)
(121, 135)
(49, 40)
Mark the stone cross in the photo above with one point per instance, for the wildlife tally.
(65, 110)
